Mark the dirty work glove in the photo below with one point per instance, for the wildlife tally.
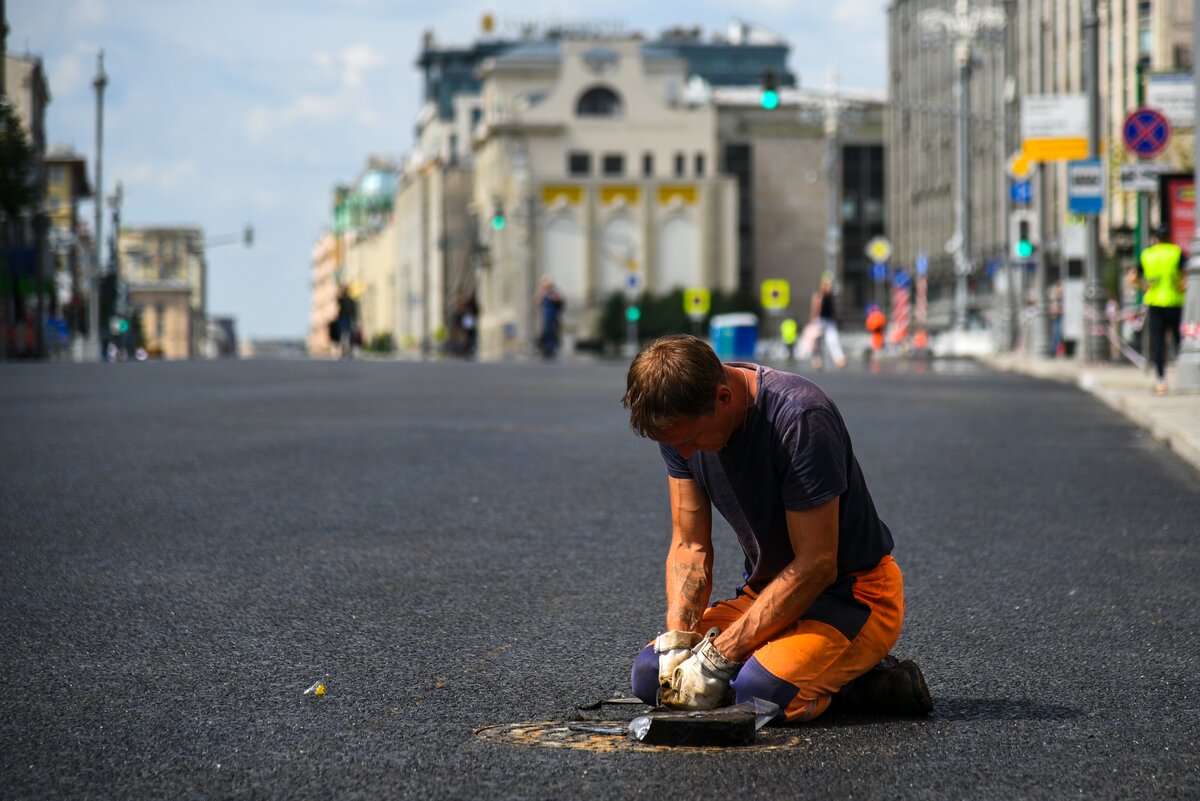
(672, 648)
(702, 680)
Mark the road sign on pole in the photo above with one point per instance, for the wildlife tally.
(696, 302)
(1142, 176)
(1054, 127)
(776, 294)
(1085, 186)
(1146, 132)
(879, 250)
(1174, 94)
(1022, 192)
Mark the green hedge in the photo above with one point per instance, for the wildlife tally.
(663, 314)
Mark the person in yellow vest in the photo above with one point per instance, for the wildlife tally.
(1165, 287)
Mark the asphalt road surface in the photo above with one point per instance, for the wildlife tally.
(187, 547)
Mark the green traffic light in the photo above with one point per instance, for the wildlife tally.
(633, 314)
(770, 99)
(1024, 249)
(498, 222)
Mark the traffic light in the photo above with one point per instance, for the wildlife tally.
(633, 313)
(1023, 233)
(498, 218)
(769, 99)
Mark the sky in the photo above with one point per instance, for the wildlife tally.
(226, 113)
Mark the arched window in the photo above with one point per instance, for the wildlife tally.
(599, 101)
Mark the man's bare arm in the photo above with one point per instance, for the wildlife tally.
(814, 536)
(690, 558)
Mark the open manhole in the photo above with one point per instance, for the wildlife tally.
(600, 730)
(561, 734)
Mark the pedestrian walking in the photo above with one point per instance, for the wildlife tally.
(549, 302)
(347, 321)
(823, 599)
(1165, 289)
(1057, 346)
(821, 332)
(876, 322)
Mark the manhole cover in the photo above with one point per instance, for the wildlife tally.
(563, 734)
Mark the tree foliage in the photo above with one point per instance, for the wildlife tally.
(664, 314)
(18, 164)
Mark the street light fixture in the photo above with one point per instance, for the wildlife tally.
(965, 28)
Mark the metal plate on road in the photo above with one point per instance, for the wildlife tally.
(570, 735)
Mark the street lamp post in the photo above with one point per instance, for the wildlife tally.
(833, 107)
(1189, 352)
(964, 28)
(1095, 345)
(98, 259)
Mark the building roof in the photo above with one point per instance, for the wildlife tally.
(78, 166)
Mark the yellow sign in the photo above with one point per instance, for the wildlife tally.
(696, 301)
(776, 294)
(879, 250)
(1071, 148)
(1020, 166)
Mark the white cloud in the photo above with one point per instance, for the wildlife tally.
(357, 60)
(352, 64)
(158, 176)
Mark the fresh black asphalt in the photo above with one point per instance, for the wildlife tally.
(186, 547)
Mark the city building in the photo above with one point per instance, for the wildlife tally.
(813, 163)
(165, 275)
(323, 295)
(618, 167)
(593, 168)
(70, 243)
(1038, 52)
(26, 271)
(922, 150)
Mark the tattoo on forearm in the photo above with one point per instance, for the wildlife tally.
(690, 585)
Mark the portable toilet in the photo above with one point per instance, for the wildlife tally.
(734, 336)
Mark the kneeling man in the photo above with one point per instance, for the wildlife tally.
(823, 600)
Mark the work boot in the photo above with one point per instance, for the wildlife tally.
(890, 688)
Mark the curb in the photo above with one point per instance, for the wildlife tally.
(1173, 420)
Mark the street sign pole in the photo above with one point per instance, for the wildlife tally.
(1095, 346)
(1189, 351)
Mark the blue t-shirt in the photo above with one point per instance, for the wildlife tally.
(793, 453)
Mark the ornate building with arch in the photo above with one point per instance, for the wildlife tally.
(604, 171)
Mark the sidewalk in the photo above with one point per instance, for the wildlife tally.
(1171, 419)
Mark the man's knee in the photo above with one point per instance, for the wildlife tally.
(755, 681)
(644, 675)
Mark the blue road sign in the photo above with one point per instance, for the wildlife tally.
(1146, 132)
(900, 279)
(922, 264)
(878, 272)
(1085, 186)
(1021, 192)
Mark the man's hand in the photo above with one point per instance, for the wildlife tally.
(673, 647)
(702, 680)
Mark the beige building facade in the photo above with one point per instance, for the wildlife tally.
(166, 274)
(606, 178)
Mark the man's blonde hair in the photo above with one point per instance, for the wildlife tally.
(674, 378)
